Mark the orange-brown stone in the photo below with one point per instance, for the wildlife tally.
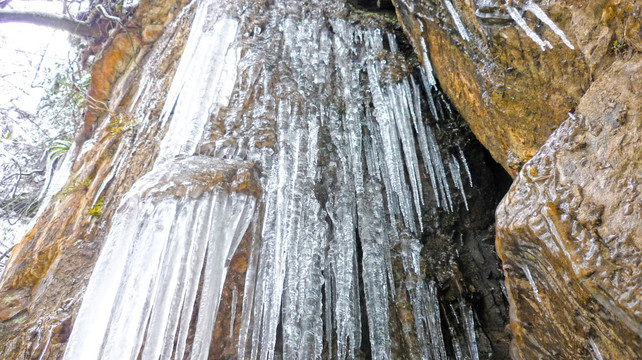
(569, 231)
(511, 92)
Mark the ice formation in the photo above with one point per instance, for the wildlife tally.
(531, 281)
(343, 148)
(541, 15)
(460, 26)
(537, 11)
(596, 354)
(519, 20)
(144, 285)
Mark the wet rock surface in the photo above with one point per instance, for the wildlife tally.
(569, 230)
(515, 83)
(457, 270)
(42, 288)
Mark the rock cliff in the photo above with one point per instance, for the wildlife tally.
(322, 109)
(515, 69)
(569, 228)
(395, 219)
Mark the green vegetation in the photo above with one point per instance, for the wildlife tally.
(97, 209)
(121, 124)
(65, 97)
(24, 204)
(75, 185)
(59, 147)
(619, 47)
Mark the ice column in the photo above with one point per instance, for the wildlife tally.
(203, 82)
(375, 234)
(145, 282)
(424, 302)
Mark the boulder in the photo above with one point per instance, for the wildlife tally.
(569, 231)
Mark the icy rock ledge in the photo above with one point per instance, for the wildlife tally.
(179, 224)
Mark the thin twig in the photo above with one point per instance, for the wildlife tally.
(107, 15)
(7, 252)
(23, 174)
(15, 187)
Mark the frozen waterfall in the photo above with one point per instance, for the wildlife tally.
(172, 228)
(345, 140)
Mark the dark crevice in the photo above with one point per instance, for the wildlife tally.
(373, 5)
(366, 351)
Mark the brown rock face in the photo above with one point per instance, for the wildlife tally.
(44, 285)
(512, 93)
(41, 290)
(118, 58)
(570, 230)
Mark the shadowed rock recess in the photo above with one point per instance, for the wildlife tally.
(569, 228)
(287, 180)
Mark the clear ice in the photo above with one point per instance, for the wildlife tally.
(342, 148)
(531, 281)
(144, 285)
(519, 20)
(541, 15)
(460, 26)
(537, 11)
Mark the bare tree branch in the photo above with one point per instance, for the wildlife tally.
(7, 252)
(4, 3)
(75, 27)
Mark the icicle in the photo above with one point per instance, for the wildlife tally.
(329, 304)
(462, 158)
(403, 115)
(427, 74)
(210, 50)
(460, 26)
(425, 304)
(537, 11)
(302, 299)
(302, 303)
(423, 145)
(55, 181)
(133, 297)
(343, 256)
(429, 83)
(434, 322)
(377, 153)
(459, 355)
(469, 325)
(115, 170)
(596, 354)
(438, 168)
(531, 281)
(162, 324)
(517, 17)
(178, 323)
(375, 247)
(455, 174)
(279, 228)
(248, 294)
(392, 42)
(392, 151)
